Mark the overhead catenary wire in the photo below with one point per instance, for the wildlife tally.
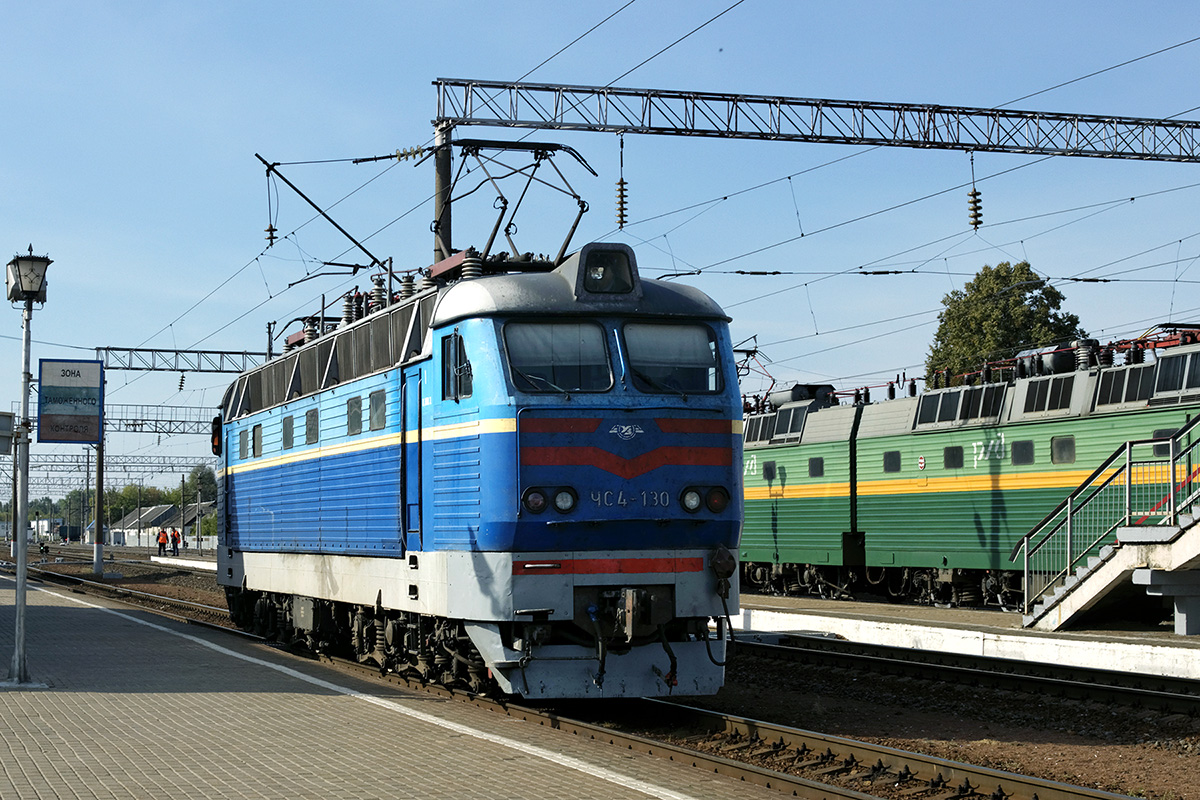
(684, 37)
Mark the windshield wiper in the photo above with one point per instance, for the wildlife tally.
(657, 384)
(533, 380)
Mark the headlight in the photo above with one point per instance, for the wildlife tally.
(534, 500)
(717, 499)
(690, 500)
(564, 500)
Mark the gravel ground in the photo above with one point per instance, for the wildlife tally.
(1140, 753)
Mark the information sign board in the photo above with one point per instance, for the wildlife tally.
(70, 401)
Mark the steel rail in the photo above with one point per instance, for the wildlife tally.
(1157, 692)
(832, 755)
(913, 774)
(109, 589)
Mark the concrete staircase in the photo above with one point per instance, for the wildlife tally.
(1143, 555)
(1131, 522)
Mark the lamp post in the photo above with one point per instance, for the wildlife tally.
(26, 280)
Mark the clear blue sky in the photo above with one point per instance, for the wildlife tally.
(128, 151)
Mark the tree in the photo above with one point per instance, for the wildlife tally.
(205, 479)
(1005, 309)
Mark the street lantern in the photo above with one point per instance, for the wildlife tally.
(26, 278)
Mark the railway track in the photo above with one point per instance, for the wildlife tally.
(797, 762)
(1152, 692)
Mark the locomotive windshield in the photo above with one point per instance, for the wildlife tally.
(557, 356)
(669, 359)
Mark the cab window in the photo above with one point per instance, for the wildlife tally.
(557, 357)
(673, 359)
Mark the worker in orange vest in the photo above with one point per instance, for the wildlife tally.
(162, 542)
(174, 542)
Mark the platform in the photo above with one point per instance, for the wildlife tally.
(1150, 650)
(133, 705)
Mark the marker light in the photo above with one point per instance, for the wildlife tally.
(564, 500)
(534, 501)
(717, 499)
(690, 499)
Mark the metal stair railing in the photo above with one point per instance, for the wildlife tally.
(1136, 485)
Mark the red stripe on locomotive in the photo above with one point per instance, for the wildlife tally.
(559, 425)
(607, 566)
(627, 468)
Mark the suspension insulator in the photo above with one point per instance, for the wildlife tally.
(181, 377)
(622, 202)
(974, 208)
(270, 231)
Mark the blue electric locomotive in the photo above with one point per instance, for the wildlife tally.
(519, 475)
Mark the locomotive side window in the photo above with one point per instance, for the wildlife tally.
(378, 410)
(456, 369)
(1112, 387)
(783, 421)
(354, 416)
(1170, 374)
(816, 468)
(1060, 393)
(557, 357)
(1193, 376)
(970, 405)
(978, 401)
(928, 409)
(1141, 380)
(1062, 450)
(289, 432)
(310, 426)
(891, 461)
(789, 423)
(673, 359)
(1035, 395)
(993, 401)
(244, 444)
(1163, 450)
(768, 427)
(949, 407)
(952, 458)
(1022, 452)
(1049, 394)
(257, 443)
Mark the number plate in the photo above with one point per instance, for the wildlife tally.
(649, 498)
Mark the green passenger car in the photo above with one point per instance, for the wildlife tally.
(924, 497)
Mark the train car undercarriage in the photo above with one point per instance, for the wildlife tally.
(440, 650)
(924, 586)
